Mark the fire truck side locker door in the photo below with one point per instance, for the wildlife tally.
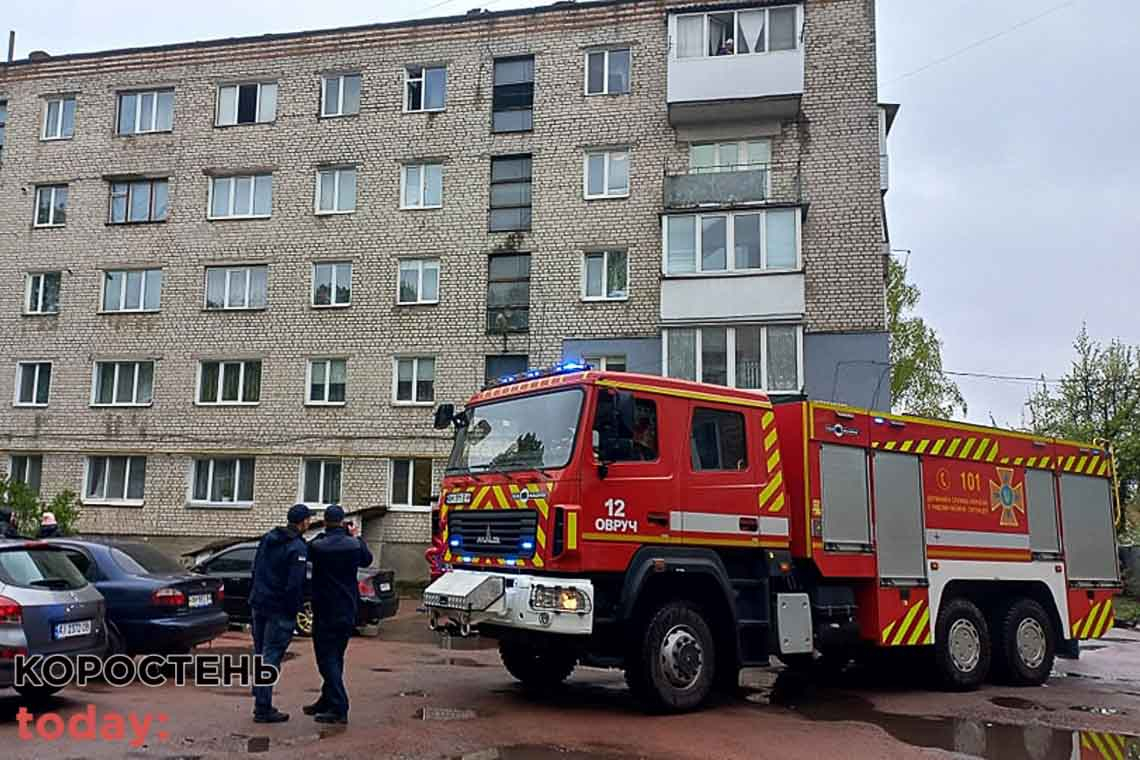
(899, 530)
(1041, 494)
(846, 503)
(1090, 540)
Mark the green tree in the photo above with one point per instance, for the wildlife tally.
(1098, 399)
(27, 509)
(918, 385)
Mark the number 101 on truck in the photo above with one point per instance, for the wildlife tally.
(681, 531)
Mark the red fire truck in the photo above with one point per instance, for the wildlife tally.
(681, 531)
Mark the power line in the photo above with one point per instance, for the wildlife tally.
(983, 41)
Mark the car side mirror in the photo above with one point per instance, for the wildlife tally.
(444, 415)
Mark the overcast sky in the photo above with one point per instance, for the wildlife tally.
(1014, 164)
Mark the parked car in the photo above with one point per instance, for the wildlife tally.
(46, 607)
(234, 566)
(154, 605)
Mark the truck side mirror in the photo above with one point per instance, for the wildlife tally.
(444, 414)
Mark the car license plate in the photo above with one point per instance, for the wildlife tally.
(74, 628)
(385, 587)
(200, 600)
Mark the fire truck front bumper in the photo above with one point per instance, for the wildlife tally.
(464, 599)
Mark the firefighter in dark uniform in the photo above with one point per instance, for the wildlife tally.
(336, 555)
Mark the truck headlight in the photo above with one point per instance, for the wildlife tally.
(559, 599)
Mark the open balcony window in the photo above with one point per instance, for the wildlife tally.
(737, 32)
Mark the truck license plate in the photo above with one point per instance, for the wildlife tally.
(74, 628)
(385, 587)
(200, 600)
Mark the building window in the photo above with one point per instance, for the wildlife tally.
(605, 276)
(508, 293)
(59, 118)
(411, 483)
(224, 482)
(421, 186)
(122, 384)
(610, 363)
(26, 469)
(3, 124)
(41, 293)
(51, 205)
(241, 197)
(332, 284)
(327, 380)
(320, 481)
(736, 156)
(237, 287)
(132, 290)
(607, 174)
(425, 88)
(249, 103)
(415, 380)
(419, 281)
(747, 356)
(138, 201)
(229, 382)
(142, 112)
(718, 440)
(607, 72)
(33, 383)
(510, 193)
(498, 366)
(741, 32)
(115, 480)
(336, 190)
(727, 242)
(513, 95)
(340, 95)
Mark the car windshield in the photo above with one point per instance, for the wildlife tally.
(35, 567)
(529, 432)
(140, 559)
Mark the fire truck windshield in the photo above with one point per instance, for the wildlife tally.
(524, 433)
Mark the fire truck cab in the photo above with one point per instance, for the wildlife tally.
(681, 531)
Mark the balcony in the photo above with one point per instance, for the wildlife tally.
(743, 65)
(732, 185)
(732, 298)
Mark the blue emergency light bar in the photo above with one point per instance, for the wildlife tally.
(563, 368)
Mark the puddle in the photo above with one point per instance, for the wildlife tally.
(1017, 703)
(445, 713)
(545, 752)
(376, 670)
(462, 662)
(412, 693)
(257, 744)
(1098, 710)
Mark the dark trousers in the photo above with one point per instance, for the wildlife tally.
(329, 643)
(271, 637)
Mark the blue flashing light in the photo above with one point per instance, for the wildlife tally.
(570, 366)
(528, 545)
(879, 420)
(531, 374)
(455, 542)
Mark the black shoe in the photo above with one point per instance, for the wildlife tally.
(272, 717)
(314, 708)
(328, 717)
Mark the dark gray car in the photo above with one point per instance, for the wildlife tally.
(46, 607)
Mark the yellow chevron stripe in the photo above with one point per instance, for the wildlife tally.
(536, 560)
(1077, 627)
(938, 447)
(874, 444)
(1092, 465)
(889, 445)
(1018, 460)
(900, 634)
(921, 449)
(1098, 743)
(920, 629)
(501, 495)
(1089, 621)
(953, 447)
(1031, 462)
(1103, 468)
(993, 452)
(1116, 742)
(770, 440)
(1045, 461)
(929, 636)
(773, 486)
(543, 507)
(981, 450)
(1081, 463)
(778, 504)
(572, 530)
(1069, 464)
(475, 502)
(1102, 624)
(773, 460)
(1005, 460)
(965, 453)
(906, 445)
(767, 420)
(887, 631)
(540, 536)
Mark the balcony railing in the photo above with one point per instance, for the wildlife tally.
(719, 185)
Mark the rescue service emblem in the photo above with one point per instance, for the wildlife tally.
(488, 538)
(1007, 497)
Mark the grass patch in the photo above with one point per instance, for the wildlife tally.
(1126, 609)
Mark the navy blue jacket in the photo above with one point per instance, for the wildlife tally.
(279, 573)
(336, 556)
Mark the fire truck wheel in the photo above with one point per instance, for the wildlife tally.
(675, 667)
(962, 645)
(1024, 644)
(537, 668)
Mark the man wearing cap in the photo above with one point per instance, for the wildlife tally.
(279, 569)
(336, 554)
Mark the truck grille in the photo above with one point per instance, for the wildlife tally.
(498, 533)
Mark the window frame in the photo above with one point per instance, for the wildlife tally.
(529, 207)
(332, 304)
(327, 361)
(123, 292)
(742, 148)
(54, 190)
(609, 154)
(22, 477)
(62, 100)
(38, 364)
(606, 51)
(422, 79)
(730, 243)
(719, 412)
(487, 296)
(423, 167)
(415, 359)
(674, 46)
(409, 506)
(324, 462)
(605, 254)
(95, 374)
(236, 503)
(730, 353)
(422, 264)
(340, 112)
(237, 102)
(232, 179)
(533, 76)
(227, 269)
(336, 171)
(151, 217)
(221, 377)
(156, 92)
(601, 361)
(104, 499)
(39, 311)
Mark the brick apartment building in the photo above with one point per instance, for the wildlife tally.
(240, 273)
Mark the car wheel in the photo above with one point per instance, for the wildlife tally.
(304, 625)
(675, 665)
(116, 644)
(962, 645)
(1024, 644)
(539, 669)
(36, 693)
